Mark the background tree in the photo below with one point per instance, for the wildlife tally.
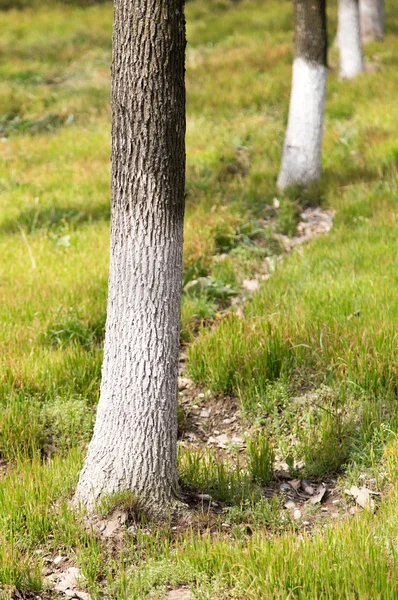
(135, 437)
(349, 39)
(301, 159)
(372, 20)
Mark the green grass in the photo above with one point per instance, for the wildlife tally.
(313, 361)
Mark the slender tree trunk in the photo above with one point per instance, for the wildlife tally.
(302, 151)
(372, 20)
(349, 39)
(134, 443)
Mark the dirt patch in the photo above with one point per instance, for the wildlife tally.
(179, 594)
(208, 419)
(22, 595)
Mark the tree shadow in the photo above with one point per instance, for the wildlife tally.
(35, 219)
(350, 176)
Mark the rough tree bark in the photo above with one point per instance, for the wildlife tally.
(302, 151)
(349, 39)
(134, 443)
(372, 20)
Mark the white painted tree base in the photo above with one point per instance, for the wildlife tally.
(349, 39)
(302, 151)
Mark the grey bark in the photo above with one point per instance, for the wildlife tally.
(302, 150)
(134, 443)
(372, 20)
(349, 39)
(310, 32)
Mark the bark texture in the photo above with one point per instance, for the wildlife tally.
(302, 150)
(349, 39)
(371, 20)
(134, 443)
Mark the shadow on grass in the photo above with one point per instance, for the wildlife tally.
(36, 219)
(11, 124)
(350, 176)
(70, 329)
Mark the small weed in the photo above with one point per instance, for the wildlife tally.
(69, 329)
(261, 397)
(288, 217)
(257, 513)
(125, 501)
(228, 238)
(260, 458)
(207, 473)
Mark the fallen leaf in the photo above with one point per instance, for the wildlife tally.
(295, 484)
(362, 496)
(113, 523)
(184, 382)
(180, 594)
(251, 285)
(205, 497)
(307, 487)
(67, 580)
(228, 421)
(82, 595)
(285, 487)
(319, 494)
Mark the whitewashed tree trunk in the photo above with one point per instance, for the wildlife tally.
(134, 443)
(372, 20)
(302, 150)
(349, 39)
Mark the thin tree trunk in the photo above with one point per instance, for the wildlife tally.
(134, 443)
(372, 20)
(302, 151)
(349, 39)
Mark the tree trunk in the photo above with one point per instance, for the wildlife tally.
(302, 151)
(134, 444)
(349, 39)
(372, 20)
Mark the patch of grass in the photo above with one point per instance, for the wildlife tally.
(260, 458)
(288, 217)
(34, 514)
(29, 427)
(205, 472)
(48, 123)
(70, 330)
(264, 568)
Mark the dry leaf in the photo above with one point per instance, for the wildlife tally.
(67, 580)
(251, 285)
(362, 496)
(319, 494)
(221, 441)
(180, 594)
(295, 483)
(307, 487)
